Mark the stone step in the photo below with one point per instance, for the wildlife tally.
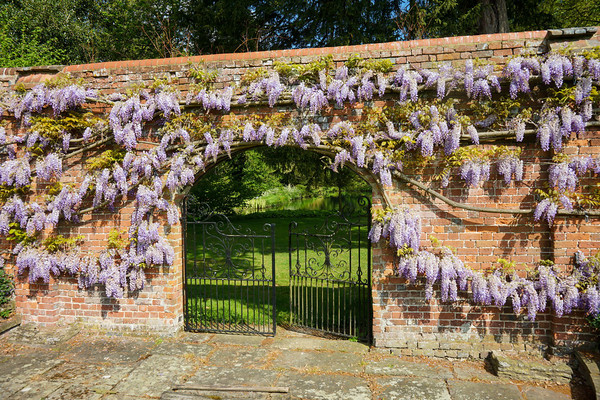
(589, 365)
(537, 369)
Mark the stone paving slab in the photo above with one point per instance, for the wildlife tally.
(36, 390)
(156, 374)
(17, 373)
(56, 365)
(10, 323)
(345, 346)
(470, 372)
(589, 365)
(320, 361)
(216, 376)
(397, 367)
(530, 370)
(221, 395)
(193, 337)
(463, 390)
(239, 357)
(112, 350)
(412, 389)
(32, 335)
(179, 349)
(538, 393)
(239, 340)
(83, 380)
(75, 391)
(106, 374)
(120, 397)
(325, 387)
(26, 366)
(298, 343)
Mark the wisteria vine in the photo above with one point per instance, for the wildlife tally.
(157, 140)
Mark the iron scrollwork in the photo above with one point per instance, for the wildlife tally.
(224, 250)
(326, 250)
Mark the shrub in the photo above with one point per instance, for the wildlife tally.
(6, 287)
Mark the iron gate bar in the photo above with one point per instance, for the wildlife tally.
(228, 264)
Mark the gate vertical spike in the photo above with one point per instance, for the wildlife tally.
(203, 287)
(229, 315)
(183, 221)
(339, 305)
(291, 275)
(255, 299)
(369, 284)
(194, 278)
(274, 296)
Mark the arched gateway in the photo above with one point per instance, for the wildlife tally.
(306, 273)
(482, 152)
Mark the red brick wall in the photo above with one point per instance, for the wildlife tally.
(402, 318)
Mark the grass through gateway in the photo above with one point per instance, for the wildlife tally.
(226, 297)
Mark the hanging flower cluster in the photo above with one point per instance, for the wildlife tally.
(402, 229)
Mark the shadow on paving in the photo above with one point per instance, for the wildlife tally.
(66, 363)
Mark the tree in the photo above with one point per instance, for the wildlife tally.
(494, 17)
(334, 22)
(572, 13)
(27, 48)
(80, 31)
(232, 182)
(63, 28)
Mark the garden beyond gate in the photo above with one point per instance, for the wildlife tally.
(236, 277)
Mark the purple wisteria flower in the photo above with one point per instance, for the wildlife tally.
(309, 97)
(50, 167)
(15, 172)
(473, 134)
(382, 83)
(270, 86)
(340, 130)
(518, 126)
(508, 166)
(475, 171)
(563, 177)
(556, 124)
(402, 228)
(519, 71)
(217, 100)
(480, 81)
(367, 87)
(59, 99)
(555, 68)
(408, 81)
(167, 102)
(545, 209)
(341, 88)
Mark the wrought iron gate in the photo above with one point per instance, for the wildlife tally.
(330, 274)
(229, 275)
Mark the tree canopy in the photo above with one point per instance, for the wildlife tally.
(231, 183)
(35, 32)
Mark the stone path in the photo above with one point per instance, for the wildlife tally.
(70, 364)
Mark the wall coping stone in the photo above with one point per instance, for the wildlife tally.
(455, 40)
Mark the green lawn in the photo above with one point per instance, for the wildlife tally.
(212, 281)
